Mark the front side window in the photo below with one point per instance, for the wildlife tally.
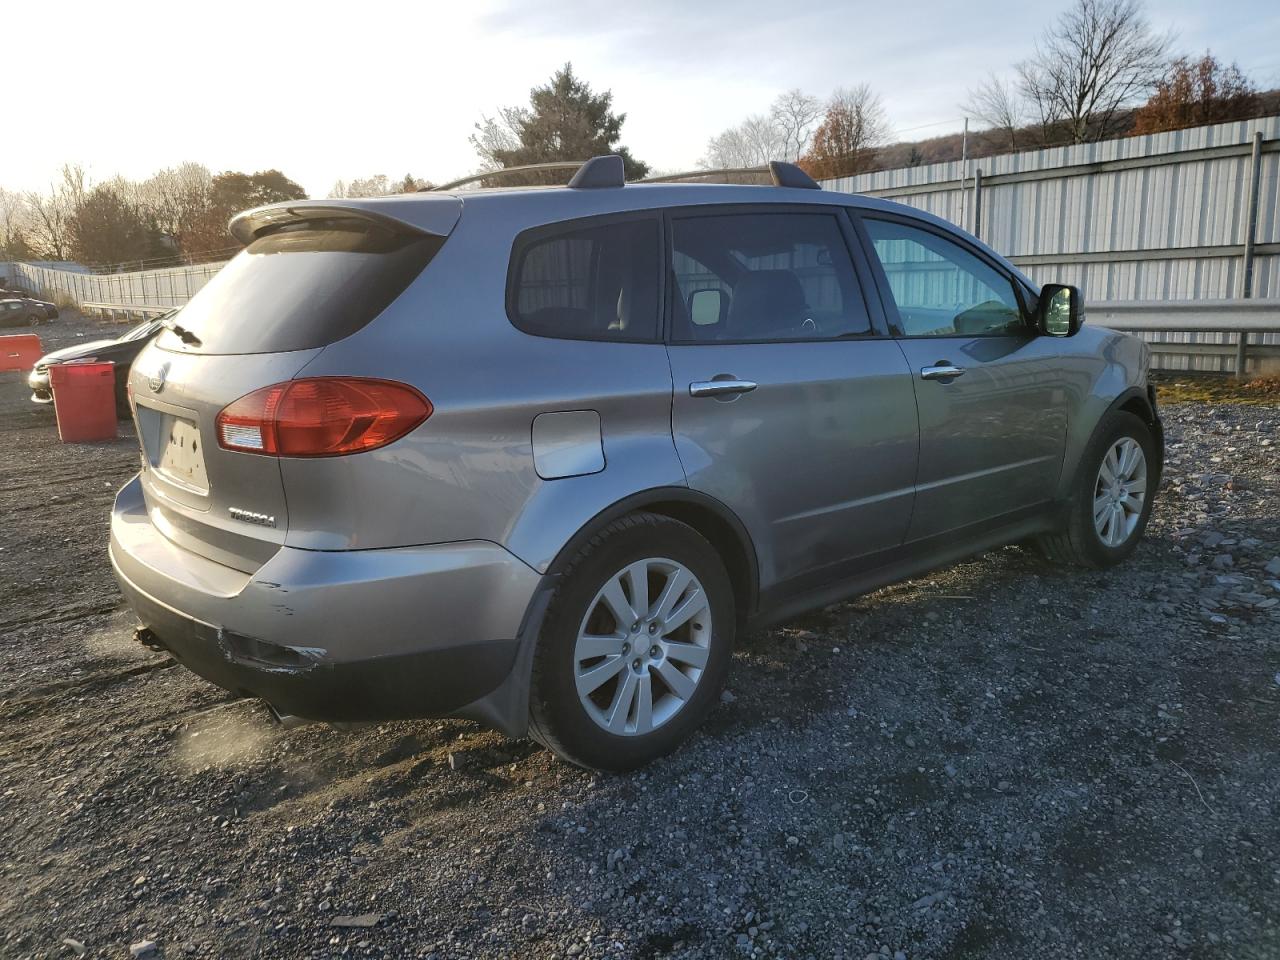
(588, 282)
(940, 288)
(764, 276)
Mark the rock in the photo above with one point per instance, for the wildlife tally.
(455, 762)
(1222, 560)
(76, 946)
(837, 841)
(727, 697)
(1273, 567)
(359, 920)
(143, 948)
(574, 950)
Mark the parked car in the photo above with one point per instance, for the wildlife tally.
(42, 309)
(122, 350)
(16, 312)
(539, 457)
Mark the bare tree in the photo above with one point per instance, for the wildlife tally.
(13, 226)
(379, 185)
(755, 141)
(794, 115)
(781, 134)
(996, 102)
(854, 126)
(498, 135)
(176, 197)
(50, 216)
(1099, 57)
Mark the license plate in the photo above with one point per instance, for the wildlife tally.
(181, 454)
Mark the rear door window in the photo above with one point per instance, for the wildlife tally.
(587, 281)
(751, 277)
(302, 285)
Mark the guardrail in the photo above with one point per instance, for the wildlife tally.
(1233, 322)
(126, 311)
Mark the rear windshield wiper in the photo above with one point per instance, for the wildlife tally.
(181, 332)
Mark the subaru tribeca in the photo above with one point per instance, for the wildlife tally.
(536, 457)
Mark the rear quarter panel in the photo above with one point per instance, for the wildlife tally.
(468, 472)
(1099, 366)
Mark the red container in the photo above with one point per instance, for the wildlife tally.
(20, 352)
(84, 398)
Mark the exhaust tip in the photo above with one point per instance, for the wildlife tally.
(287, 720)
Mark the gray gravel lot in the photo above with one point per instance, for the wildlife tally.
(1002, 759)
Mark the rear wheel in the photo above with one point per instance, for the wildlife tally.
(1113, 495)
(635, 647)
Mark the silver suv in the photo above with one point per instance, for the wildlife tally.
(536, 457)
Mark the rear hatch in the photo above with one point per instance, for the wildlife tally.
(311, 274)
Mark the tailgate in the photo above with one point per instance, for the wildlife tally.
(228, 507)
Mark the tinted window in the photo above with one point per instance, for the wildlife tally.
(588, 282)
(942, 289)
(779, 276)
(303, 285)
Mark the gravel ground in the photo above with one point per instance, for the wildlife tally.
(1002, 759)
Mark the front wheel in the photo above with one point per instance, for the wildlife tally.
(1112, 498)
(635, 647)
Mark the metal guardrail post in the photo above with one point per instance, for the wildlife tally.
(1251, 229)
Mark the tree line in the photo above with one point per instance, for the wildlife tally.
(179, 214)
(1100, 70)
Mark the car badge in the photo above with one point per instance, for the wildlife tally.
(156, 380)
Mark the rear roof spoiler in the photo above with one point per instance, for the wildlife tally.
(435, 215)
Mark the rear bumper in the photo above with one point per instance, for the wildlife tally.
(331, 635)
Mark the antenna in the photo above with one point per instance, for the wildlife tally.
(789, 175)
(599, 172)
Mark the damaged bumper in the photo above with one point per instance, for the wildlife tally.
(330, 635)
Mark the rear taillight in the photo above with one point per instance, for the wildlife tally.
(321, 417)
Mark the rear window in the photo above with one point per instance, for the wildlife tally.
(587, 282)
(302, 285)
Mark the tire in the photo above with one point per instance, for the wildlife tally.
(1081, 542)
(576, 726)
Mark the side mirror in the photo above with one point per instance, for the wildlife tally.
(1058, 311)
(706, 307)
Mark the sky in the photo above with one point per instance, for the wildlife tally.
(326, 91)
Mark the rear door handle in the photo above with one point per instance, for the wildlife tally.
(942, 370)
(720, 388)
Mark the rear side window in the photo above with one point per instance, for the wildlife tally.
(751, 277)
(303, 285)
(587, 282)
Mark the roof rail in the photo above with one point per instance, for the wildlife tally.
(506, 172)
(608, 171)
(704, 174)
(789, 175)
(605, 171)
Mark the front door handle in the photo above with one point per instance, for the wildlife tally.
(942, 370)
(720, 388)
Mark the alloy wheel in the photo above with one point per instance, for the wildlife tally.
(1120, 492)
(642, 646)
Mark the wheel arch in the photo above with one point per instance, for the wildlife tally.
(1137, 400)
(712, 519)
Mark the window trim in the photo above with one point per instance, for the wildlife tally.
(861, 270)
(533, 235)
(890, 304)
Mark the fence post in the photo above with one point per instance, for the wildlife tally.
(1250, 230)
(977, 203)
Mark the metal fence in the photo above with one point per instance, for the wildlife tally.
(171, 287)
